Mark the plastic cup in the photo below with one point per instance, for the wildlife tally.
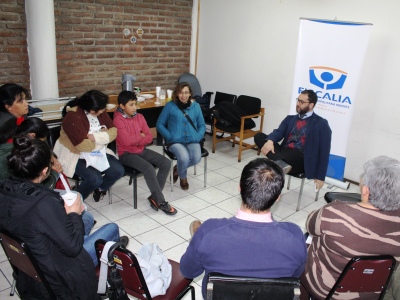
(158, 89)
(162, 94)
(169, 94)
(69, 198)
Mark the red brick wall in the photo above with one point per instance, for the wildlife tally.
(92, 52)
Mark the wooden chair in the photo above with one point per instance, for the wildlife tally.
(224, 287)
(21, 259)
(364, 274)
(237, 134)
(133, 279)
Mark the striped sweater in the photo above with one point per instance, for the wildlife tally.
(342, 230)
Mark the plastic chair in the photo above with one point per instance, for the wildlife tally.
(21, 259)
(364, 274)
(301, 176)
(134, 281)
(172, 157)
(237, 134)
(224, 287)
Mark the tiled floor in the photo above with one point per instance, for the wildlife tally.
(218, 200)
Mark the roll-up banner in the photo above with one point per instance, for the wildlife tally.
(330, 56)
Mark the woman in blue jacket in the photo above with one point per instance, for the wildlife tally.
(182, 125)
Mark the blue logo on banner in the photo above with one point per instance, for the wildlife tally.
(327, 78)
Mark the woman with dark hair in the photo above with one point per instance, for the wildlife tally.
(182, 125)
(52, 230)
(13, 103)
(86, 130)
(7, 131)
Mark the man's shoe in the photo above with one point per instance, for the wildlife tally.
(284, 166)
(175, 174)
(124, 240)
(98, 195)
(184, 184)
(194, 226)
(167, 209)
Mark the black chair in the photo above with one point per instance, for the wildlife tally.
(238, 133)
(224, 287)
(172, 157)
(21, 260)
(349, 197)
(364, 274)
(133, 279)
(301, 176)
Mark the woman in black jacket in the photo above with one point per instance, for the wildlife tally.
(53, 231)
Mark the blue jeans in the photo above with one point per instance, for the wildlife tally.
(108, 232)
(88, 221)
(93, 179)
(187, 155)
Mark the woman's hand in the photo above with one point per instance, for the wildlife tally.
(56, 165)
(76, 207)
(91, 137)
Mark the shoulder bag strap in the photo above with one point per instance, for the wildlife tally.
(189, 119)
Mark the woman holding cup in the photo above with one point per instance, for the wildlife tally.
(52, 230)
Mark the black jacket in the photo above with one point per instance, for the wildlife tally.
(37, 216)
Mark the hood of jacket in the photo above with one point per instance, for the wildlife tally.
(18, 198)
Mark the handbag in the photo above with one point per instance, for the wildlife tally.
(191, 123)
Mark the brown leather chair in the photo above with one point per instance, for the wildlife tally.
(133, 279)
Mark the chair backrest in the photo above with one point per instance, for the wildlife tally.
(224, 287)
(21, 258)
(193, 82)
(365, 274)
(54, 134)
(220, 97)
(251, 105)
(129, 269)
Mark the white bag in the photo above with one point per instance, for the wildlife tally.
(156, 269)
(96, 159)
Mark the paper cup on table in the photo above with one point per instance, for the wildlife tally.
(70, 198)
(169, 94)
(158, 89)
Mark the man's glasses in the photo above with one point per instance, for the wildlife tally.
(301, 101)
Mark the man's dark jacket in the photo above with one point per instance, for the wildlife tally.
(37, 216)
(317, 146)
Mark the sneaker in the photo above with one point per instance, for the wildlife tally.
(184, 184)
(98, 195)
(167, 209)
(284, 166)
(175, 174)
(124, 240)
(153, 203)
(194, 226)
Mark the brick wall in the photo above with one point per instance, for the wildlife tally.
(93, 53)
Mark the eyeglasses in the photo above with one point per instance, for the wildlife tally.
(184, 93)
(301, 101)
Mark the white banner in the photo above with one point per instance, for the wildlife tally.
(329, 60)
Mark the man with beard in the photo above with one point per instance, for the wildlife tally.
(306, 141)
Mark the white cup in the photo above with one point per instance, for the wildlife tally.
(169, 94)
(158, 89)
(70, 198)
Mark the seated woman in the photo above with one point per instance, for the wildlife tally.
(13, 103)
(182, 125)
(86, 130)
(53, 231)
(342, 230)
(7, 132)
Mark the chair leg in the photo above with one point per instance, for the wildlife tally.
(195, 172)
(109, 196)
(171, 176)
(300, 194)
(14, 283)
(134, 185)
(288, 182)
(316, 195)
(205, 171)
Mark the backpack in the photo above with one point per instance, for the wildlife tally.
(228, 116)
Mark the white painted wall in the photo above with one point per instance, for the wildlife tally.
(249, 47)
